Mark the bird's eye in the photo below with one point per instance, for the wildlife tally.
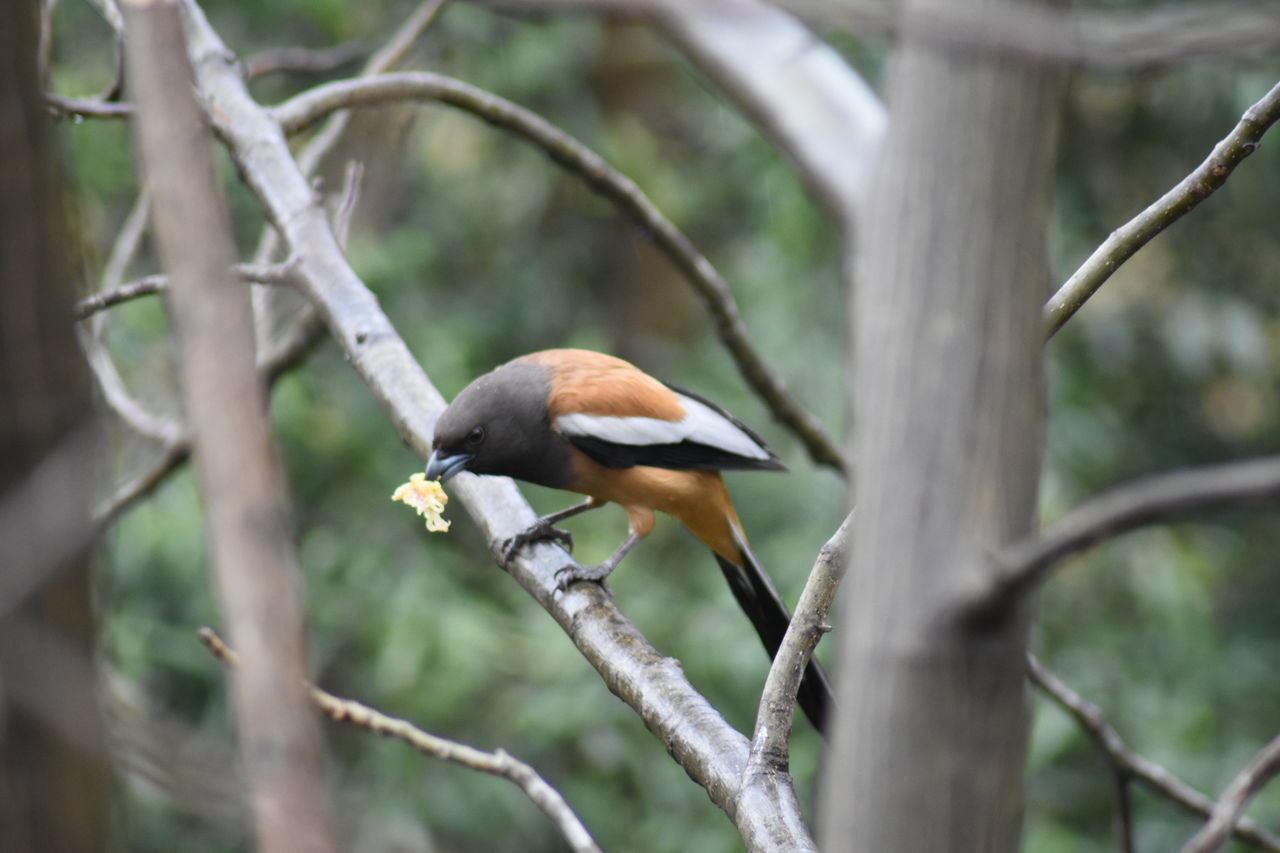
(475, 436)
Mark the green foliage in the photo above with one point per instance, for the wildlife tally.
(489, 250)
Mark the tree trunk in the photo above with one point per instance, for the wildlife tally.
(951, 273)
(53, 767)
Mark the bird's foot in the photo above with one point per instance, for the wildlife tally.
(573, 573)
(540, 531)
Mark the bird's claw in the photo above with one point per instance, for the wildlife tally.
(539, 531)
(568, 575)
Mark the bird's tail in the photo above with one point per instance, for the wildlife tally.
(759, 599)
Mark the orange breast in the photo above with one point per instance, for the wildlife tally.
(697, 499)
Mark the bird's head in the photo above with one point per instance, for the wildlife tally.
(499, 425)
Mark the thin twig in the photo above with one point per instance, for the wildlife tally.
(1168, 209)
(312, 105)
(350, 198)
(126, 244)
(498, 763)
(87, 107)
(304, 59)
(159, 283)
(1261, 769)
(771, 742)
(1124, 760)
(1150, 500)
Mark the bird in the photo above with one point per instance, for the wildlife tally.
(592, 423)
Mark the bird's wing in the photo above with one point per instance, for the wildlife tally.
(695, 433)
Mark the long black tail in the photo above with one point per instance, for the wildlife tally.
(759, 599)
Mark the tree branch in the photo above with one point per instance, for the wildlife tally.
(1150, 500)
(1264, 767)
(254, 565)
(159, 283)
(87, 107)
(760, 56)
(312, 105)
(304, 59)
(1124, 760)
(709, 750)
(499, 763)
(770, 746)
(1168, 209)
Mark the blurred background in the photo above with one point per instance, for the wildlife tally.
(481, 249)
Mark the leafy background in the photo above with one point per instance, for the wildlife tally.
(480, 249)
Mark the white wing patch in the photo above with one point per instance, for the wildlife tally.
(701, 424)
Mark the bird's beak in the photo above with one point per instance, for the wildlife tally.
(443, 467)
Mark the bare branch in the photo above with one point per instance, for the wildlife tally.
(394, 51)
(350, 198)
(1263, 767)
(692, 731)
(589, 166)
(771, 743)
(1124, 760)
(142, 483)
(1150, 500)
(159, 283)
(254, 565)
(87, 107)
(126, 244)
(1168, 209)
(499, 763)
(304, 59)
(761, 56)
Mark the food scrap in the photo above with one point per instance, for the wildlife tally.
(427, 497)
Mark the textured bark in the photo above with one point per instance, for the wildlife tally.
(928, 751)
(53, 773)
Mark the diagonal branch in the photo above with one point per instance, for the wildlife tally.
(709, 750)
(760, 56)
(312, 105)
(1264, 767)
(770, 745)
(499, 763)
(1124, 760)
(1168, 209)
(1150, 500)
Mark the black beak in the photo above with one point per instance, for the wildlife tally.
(443, 467)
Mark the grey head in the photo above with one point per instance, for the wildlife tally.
(499, 425)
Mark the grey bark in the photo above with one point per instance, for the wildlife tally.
(950, 275)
